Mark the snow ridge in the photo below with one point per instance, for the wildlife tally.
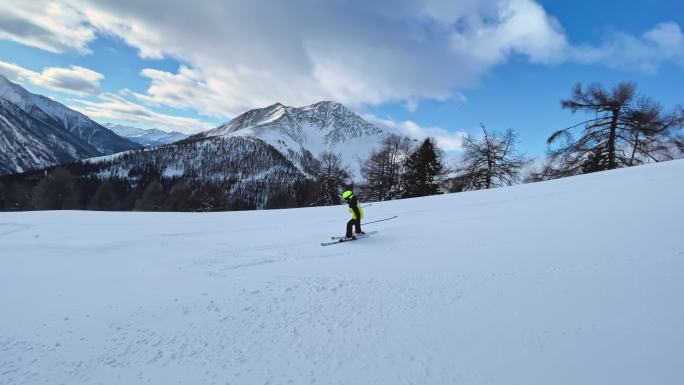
(146, 137)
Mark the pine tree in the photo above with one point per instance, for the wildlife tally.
(152, 198)
(423, 171)
(2, 196)
(19, 197)
(178, 199)
(105, 198)
(57, 191)
(212, 197)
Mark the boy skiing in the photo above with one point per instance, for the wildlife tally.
(356, 212)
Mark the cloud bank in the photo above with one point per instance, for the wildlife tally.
(240, 55)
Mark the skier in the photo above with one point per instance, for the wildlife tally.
(356, 212)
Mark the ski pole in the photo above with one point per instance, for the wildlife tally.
(364, 206)
(381, 220)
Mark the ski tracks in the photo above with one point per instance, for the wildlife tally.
(303, 330)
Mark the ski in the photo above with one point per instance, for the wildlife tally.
(357, 236)
(344, 239)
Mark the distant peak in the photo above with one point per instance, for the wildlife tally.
(327, 104)
(6, 82)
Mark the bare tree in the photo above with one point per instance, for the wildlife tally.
(677, 139)
(491, 161)
(624, 131)
(651, 133)
(332, 176)
(383, 170)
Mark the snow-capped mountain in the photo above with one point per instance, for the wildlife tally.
(34, 141)
(36, 132)
(255, 155)
(148, 138)
(324, 126)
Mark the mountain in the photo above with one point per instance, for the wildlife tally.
(538, 284)
(254, 156)
(42, 132)
(324, 126)
(34, 141)
(148, 138)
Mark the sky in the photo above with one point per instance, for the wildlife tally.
(439, 68)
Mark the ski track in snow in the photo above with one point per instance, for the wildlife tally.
(10, 228)
(567, 282)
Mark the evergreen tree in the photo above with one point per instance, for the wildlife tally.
(213, 198)
(178, 199)
(105, 198)
(491, 161)
(423, 171)
(152, 198)
(307, 193)
(2, 196)
(18, 197)
(57, 191)
(281, 200)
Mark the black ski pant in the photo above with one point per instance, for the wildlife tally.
(355, 223)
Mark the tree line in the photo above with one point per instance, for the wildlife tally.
(60, 188)
(623, 129)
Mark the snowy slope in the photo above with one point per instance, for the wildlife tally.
(78, 131)
(574, 281)
(148, 138)
(324, 126)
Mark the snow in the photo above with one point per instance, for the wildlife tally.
(574, 281)
(57, 133)
(324, 126)
(146, 137)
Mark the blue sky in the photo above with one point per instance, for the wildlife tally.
(422, 67)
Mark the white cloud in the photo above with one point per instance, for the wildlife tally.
(117, 108)
(241, 55)
(446, 140)
(665, 42)
(52, 25)
(75, 80)
(182, 90)
(251, 54)
(85, 82)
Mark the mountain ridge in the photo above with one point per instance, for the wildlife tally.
(46, 132)
(324, 126)
(254, 157)
(147, 137)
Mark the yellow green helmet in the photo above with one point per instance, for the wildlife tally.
(347, 195)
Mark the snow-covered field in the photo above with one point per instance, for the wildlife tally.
(576, 281)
